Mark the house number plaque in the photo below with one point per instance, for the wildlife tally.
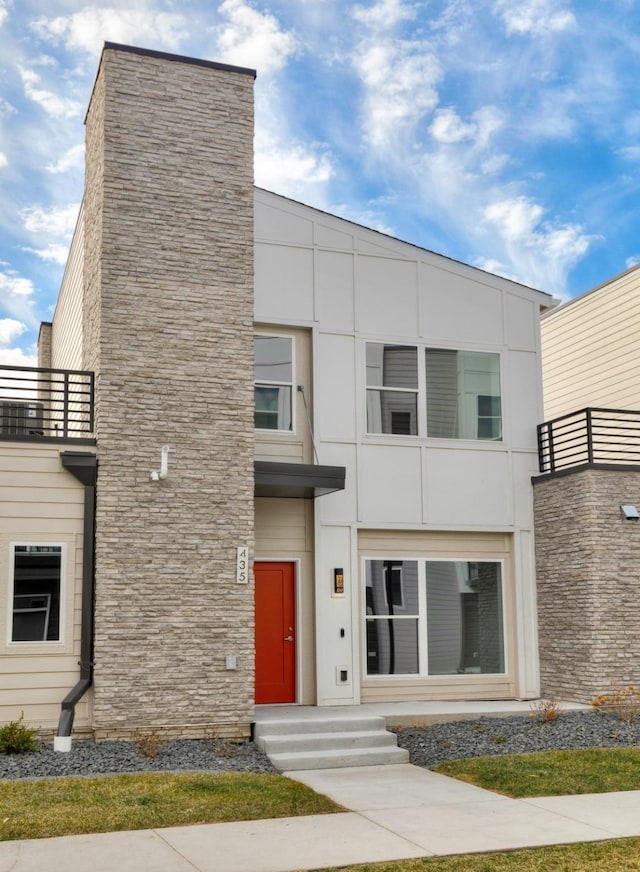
(242, 565)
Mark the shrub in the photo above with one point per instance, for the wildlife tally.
(545, 710)
(17, 738)
(624, 702)
(148, 741)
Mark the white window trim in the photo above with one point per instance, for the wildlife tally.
(293, 384)
(423, 643)
(33, 646)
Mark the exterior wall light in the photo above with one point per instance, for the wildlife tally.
(630, 513)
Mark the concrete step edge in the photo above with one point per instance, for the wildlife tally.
(339, 760)
(327, 741)
(316, 725)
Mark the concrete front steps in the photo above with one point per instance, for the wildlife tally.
(328, 743)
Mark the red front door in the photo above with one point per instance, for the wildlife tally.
(275, 632)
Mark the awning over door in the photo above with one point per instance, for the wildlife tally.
(298, 480)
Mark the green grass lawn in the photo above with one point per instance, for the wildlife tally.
(621, 855)
(66, 806)
(551, 773)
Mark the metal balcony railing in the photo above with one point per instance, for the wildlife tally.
(588, 437)
(41, 403)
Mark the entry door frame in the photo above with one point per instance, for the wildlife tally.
(295, 562)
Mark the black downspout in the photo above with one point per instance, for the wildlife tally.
(84, 467)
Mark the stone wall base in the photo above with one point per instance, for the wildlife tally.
(237, 731)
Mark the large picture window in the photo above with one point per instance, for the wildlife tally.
(392, 389)
(37, 576)
(273, 382)
(434, 617)
(461, 392)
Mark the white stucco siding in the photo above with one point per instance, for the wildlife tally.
(351, 286)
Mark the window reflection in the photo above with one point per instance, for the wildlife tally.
(463, 394)
(464, 617)
(273, 391)
(392, 389)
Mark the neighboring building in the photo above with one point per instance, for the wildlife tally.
(588, 546)
(590, 349)
(352, 416)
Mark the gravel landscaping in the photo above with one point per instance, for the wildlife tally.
(427, 746)
(115, 757)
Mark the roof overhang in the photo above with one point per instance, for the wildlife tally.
(297, 480)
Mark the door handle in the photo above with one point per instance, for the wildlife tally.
(288, 639)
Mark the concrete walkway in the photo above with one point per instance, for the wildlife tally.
(395, 812)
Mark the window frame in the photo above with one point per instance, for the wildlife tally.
(29, 646)
(423, 673)
(422, 397)
(463, 409)
(267, 383)
(381, 389)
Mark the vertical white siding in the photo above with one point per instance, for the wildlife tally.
(66, 331)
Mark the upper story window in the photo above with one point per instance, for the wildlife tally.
(273, 382)
(37, 575)
(461, 392)
(392, 389)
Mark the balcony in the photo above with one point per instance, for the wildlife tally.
(40, 404)
(604, 438)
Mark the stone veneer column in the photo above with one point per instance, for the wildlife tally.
(588, 577)
(167, 319)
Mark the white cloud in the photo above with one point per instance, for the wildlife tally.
(60, 107)
(515, 219)
(55, 253)
(535, 17)
(293, 169)
(398, 75)
(539, 252)
(253, 39)
(17, 298)
(58, 222)
(399, 78)
(10, 329)
(13, 286)
(4, 161)
(88, 29)
(4, 11)
(18, 357)
(447, 127)
(385, 14)
(71, 159)
(629, 152)
(633, 260)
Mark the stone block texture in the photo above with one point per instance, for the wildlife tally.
(588, 576)
(167, 327)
